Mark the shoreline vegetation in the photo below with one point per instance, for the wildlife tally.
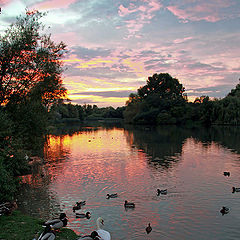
(24, 227)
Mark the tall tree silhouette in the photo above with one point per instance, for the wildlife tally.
(30, 62)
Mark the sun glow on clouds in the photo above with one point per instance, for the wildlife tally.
(98, 100)
(115, 47)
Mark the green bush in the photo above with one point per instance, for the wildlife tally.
(165, 118)
(7, 183)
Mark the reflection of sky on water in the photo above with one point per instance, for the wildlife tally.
(89, 164)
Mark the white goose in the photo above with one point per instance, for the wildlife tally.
(105, 235)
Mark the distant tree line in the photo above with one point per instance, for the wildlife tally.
(162, 101)
(70, 113)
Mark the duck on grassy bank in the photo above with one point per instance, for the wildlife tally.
(58, 222)
(7, 208)
(47, 234)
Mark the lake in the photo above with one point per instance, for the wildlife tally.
(134, 162)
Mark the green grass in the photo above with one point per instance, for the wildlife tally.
(18, 226)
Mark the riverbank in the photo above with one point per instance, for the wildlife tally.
(23, 227)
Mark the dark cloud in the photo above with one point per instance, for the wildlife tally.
(84, 101)
(100, 72)
(199, 65)
(87, 53)
(216, 91)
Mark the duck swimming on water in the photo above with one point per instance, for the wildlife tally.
(57, 223)
(93, 236)
(148, 228)
(78, 205)
(234, 189)
(113, 195)
(226, 174)
(164, 192)
(224, 210)
(83, 215)
(129, 204)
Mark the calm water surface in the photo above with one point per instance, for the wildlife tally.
(90, 163)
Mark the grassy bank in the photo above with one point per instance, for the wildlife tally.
(22, 227)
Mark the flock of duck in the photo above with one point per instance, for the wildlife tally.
(225, 210)
(52, 226)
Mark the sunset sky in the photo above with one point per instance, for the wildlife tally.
(114, 45)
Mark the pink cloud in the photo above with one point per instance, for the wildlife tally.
(143, 14)
(154, 6)
(122, 11)
(52, 4)
(199, 10)
(133, 26)
(4, 2)
(181, 40)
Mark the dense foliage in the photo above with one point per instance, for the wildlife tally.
(30, 82)
(30, 62)
(161, 101)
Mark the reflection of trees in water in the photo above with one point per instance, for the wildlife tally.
(55, 149)
(226, 136)
(162, 144)
(34, 196)
(88, 126)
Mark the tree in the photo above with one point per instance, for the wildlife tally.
(30, 63)
(132, 99)
(161, 93)
(235, 92)
(162, 85)
(30, 81)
